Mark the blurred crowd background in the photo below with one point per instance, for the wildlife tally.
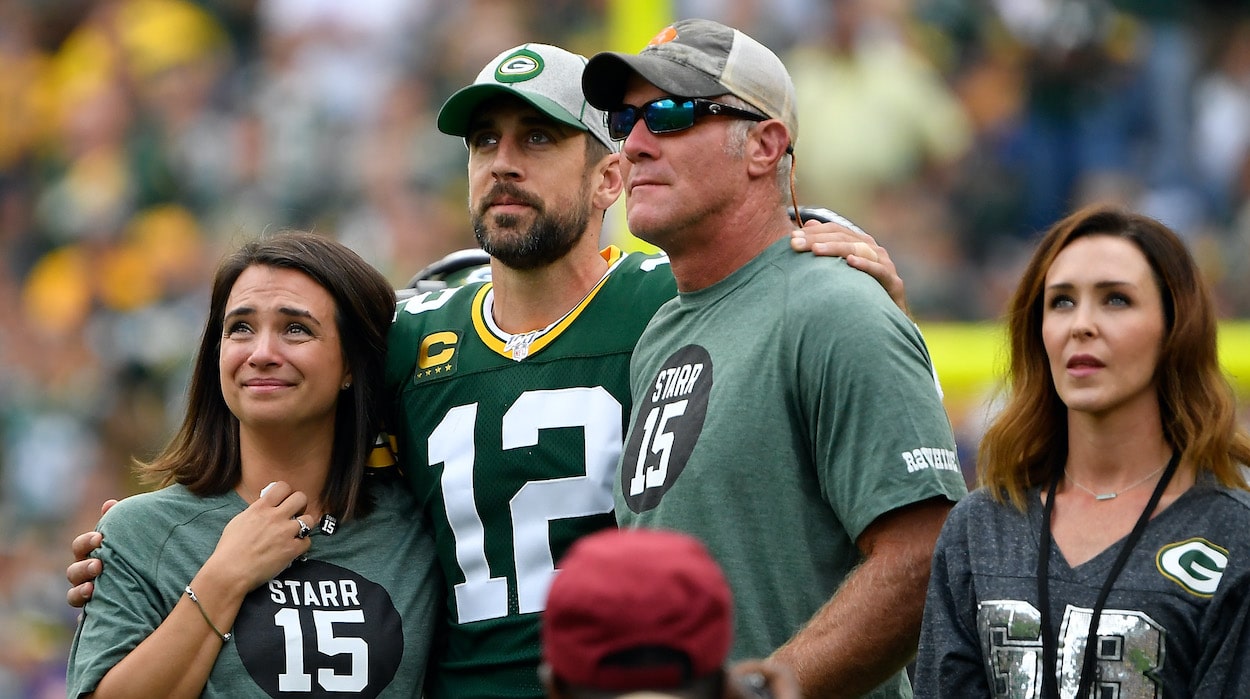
(141, 138)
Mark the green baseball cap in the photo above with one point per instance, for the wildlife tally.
(547, 77)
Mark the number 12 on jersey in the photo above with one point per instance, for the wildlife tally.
(592, 408)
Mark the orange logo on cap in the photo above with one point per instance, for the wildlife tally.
(666, 35)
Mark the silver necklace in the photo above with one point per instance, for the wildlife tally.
(1113, 494)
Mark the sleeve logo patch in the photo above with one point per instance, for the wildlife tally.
(1195, 564)
(931, 457)
(436, 355)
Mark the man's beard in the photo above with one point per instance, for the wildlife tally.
(549, 237)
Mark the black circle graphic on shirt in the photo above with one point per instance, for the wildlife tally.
(668, 424)
(320, 630)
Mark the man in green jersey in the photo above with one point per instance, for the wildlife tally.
(510, 397)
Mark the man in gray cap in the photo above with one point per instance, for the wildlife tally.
(785, 411)
(509, 398)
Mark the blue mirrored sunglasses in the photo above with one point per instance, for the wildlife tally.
(669, 114)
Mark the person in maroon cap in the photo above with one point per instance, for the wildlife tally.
(645, 613)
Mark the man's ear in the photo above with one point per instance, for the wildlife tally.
(609, 181)
(766, 146)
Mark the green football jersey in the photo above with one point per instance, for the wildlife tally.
(511, 443)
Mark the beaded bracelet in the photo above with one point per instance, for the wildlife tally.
(223, 636)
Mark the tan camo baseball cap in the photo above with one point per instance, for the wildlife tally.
(699, 58)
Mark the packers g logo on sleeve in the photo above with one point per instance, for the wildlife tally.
(1195, 564)
(670, 420)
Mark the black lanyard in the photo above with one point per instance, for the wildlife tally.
(1050, 650)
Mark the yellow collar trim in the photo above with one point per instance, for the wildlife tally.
(521, 345)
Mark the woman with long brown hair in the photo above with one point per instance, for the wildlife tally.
(1107, 545)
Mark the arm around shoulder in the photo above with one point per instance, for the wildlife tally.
(142, 634)
(129, 642)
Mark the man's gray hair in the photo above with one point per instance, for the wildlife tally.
(738, 139)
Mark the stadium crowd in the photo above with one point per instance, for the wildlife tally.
(141, 138)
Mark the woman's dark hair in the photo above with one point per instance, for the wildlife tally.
(204, 453)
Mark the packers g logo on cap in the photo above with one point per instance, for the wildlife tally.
(518, 67)
(1195, 564)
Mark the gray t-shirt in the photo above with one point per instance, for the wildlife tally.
(353, 619)
(1175, 624)
(776, 414)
